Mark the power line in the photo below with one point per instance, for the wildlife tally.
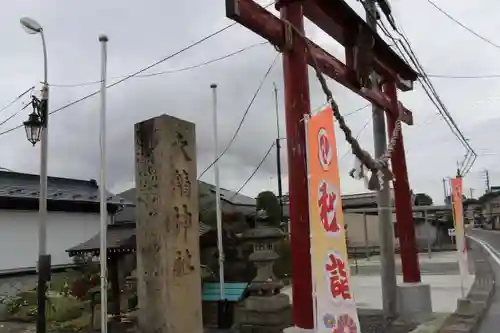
(433, 95)
(425, 81)
(139, 71)
(427, 85)
(242, 118)
(254, 172)
(315, 110)
(177, 70)
(134, 74)
(14, 114)
(464, 26)
(442, 76)
(248, 179)
(357, 137)
(16, 99)
(357, 110)
(443, 110)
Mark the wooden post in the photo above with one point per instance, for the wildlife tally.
(168, 260)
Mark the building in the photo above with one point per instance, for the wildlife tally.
(73, 217)
(472, 210)
(490, 208)
(430, 223)
(121, 240)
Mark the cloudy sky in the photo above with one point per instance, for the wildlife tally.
(143, 32)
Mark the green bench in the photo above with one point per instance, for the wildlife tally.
(233, 292)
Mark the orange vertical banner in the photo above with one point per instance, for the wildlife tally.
(335, 308)
(458, 217)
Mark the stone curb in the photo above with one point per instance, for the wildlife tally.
(471, 310)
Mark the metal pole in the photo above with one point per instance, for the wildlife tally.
(278, 153)
(365, 226)
(429, 232)
(445, 191)
(297, 105)
(385, 226)
(103, 39)
(487, 180)
(217, 195)
(44, 265)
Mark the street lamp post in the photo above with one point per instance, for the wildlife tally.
(38, 125)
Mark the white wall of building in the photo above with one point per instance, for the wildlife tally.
(19, 236)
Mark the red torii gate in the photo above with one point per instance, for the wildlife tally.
(337, 19)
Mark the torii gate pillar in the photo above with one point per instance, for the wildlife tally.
(297, 105)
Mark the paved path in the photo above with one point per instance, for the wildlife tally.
(445, 290)
(440, 263)
(491, 321)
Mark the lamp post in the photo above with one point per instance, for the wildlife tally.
(36, 129)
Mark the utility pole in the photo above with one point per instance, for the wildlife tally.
(471, 190)
(445, 191)
(278, 152)
(103, 249)
(386, 231)
(487, 180)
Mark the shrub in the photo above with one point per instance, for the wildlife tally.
(283, 267)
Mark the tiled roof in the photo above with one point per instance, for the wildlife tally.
(228, 196)
(120, 236)
(26, 186)
(206, 199)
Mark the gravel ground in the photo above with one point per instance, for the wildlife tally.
(372, 321)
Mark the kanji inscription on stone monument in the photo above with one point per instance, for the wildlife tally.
(168, 259)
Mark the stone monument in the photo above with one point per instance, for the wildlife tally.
(168, 260)
(266, 310)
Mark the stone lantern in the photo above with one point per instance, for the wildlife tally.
(265, 310)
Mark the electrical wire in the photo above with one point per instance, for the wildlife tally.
(254, 172)
(14, 114)
(409, 56)
(139, 71)
(177, 70)
(357, 137)
(436, 100)
(315, 110)
(484, 39)
(133, 74)
(430, 90)
(442, 76)
(16, 99)
(243, 117)
(357, 110)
